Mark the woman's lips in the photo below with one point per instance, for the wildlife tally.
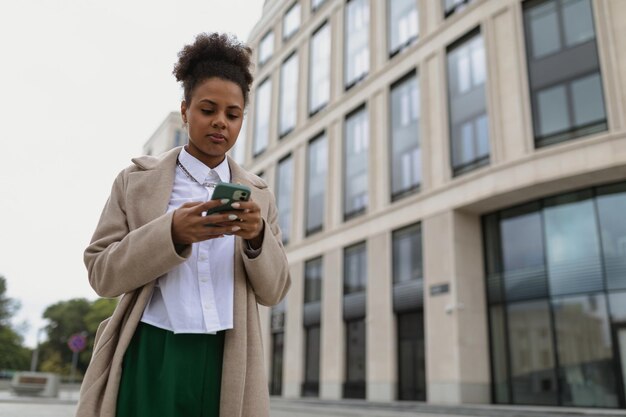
(217, 138)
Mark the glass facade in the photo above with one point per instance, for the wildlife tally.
(356, 155)
(288, 95)
(357, 53)
(313, 280)
(284, 195)
(266, 47)
(555, 275)
(406, 153)
(354, 387)
(319, 69)
(317, 169)
(469, 125)
(262, 108)
(564, 70)
(355, 269)
(402, 24)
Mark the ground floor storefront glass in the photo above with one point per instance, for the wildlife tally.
(556, 284)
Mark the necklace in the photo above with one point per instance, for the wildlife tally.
(204, 184)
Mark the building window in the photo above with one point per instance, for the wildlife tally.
(317, 168)
(554, 268)
(356, 35)
(312, 311)
(291, 21)
(288, 95)
(564, 70)
(278, 343)
(284, 194)
(406, 154)
(354, 386)
(316, 4)
(262, 116)
(411, 356)
(469, 130)
(266, 47)
(407, 254)
(355, 269)
(454, 6)
(402, 23)
(356, 147)
(319, 69)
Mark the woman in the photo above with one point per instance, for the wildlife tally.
(185, 338)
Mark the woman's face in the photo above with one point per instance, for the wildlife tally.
(214, 117)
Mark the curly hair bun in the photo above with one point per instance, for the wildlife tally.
(214, 55)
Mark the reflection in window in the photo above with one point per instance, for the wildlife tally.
(310, 388)
(354, 269)
(564, 70)
(288, 94)
(499, 355)
(291, 22)
(585, 352)
(469, 132)
(313, 280)
(284, 192)
(354, 386)
(572, 244)
(611, 203)
(411, 357)
(266, 47)
(315, 4)
(533, 379)
(406, 154)
(402, 23)
(319, 69)
(356, 41)
(317, 168)
(262, 116)
(407, 254)
(356, 152)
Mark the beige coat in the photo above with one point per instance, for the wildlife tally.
(132, 247)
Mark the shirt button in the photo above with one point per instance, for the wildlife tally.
(203, 257)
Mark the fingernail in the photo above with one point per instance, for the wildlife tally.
(235, 205)
(232, 217)
(224, 200)
(235, 228)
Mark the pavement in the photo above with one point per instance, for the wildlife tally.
(65, 406)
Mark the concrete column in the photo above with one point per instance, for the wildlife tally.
(378, 175)
(334, 199)
(431, 15)
(457, 347)
(378, 35)
(332, 354)
(336, 51)
(303, 84)
(380, 325)
(293, 370)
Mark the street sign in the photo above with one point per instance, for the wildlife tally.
(77, 343)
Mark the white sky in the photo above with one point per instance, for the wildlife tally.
(83, 84)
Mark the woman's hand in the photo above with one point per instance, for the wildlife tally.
(190, 226)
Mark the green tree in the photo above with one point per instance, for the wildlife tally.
(66, 318)
(13, 355)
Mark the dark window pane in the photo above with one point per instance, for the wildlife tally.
(552, 109)
(406, 155)
(312, 362)
(531, 353)
(493, 258)
(573, 250)
(585, 352)
(284, 194)
(355, 359)
(411, 358)
(356, 154)
(578, 22)
(498, 355)
(276, 387)
(407, 254)
(355, 269)
(588, 100)
(544, 29)
(611, 202)
(313, 280)
(317, 168)
(523, 253)
(617, 303)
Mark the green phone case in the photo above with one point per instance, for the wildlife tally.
(230, 191)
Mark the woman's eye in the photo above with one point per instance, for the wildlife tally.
(206, 111)
(233, 116)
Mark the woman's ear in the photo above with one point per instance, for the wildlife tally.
(183, 111)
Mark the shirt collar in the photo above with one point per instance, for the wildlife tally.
(199, 171)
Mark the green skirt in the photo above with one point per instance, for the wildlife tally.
(171, 375)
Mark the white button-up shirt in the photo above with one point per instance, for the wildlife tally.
(197, 295)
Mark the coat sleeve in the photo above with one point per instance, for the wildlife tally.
(120, 260)
(268, 273)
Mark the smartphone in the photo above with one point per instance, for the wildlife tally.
(230, 191)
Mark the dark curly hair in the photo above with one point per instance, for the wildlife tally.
(214, 55)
